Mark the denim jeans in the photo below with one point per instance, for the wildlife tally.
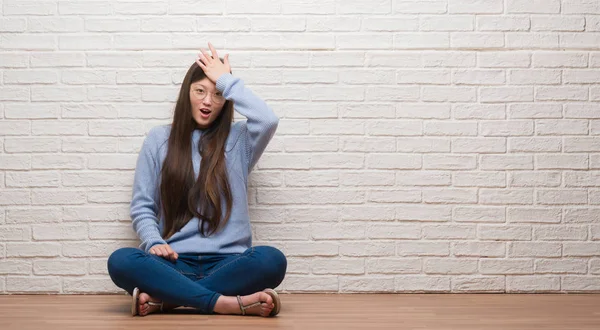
(195, 280)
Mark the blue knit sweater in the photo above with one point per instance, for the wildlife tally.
(245, 144)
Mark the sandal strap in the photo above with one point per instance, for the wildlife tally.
(152, 303)
(243, 308)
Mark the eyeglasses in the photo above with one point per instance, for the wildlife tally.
(215, 97)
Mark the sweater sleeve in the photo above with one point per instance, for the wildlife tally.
(144, 208)
(261, 121)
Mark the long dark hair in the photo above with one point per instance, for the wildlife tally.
(182, 197)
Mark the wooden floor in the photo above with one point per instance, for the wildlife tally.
(318, 311)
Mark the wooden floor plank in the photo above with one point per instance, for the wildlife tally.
(318, 311)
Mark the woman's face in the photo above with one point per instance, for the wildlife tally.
(207, 102)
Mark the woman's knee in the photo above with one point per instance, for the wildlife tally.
(122, 260)
(275, 262)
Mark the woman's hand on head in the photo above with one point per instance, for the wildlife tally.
(165, 251)
(212, 65)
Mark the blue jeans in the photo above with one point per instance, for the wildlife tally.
(195, 280)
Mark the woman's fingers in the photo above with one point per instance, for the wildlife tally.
(204, 57)
(226, 61)
(170, 253)
(213, 51)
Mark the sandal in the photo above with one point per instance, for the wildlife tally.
(134, 302)
(270, 292)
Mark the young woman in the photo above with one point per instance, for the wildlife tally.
(190, 205)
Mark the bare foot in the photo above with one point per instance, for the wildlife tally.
(230, 305)
(144, 308)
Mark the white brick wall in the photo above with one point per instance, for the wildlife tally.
(424, 145)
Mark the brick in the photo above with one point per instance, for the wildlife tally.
(422, 283)
(371, 213)
(534, 249)
(533, 7)
(502, 23)
(504, 232)
(447, 232)
(580, 283)
(453, 59)
(366, 178)
(415, 40)
(33, 284)
(311, 249)
(423, 248)
(428, 77)
(506, 267)
(479, 179)
(478, 284)
(368, 144)
(475, 6)
(449, 266)
(508, 59)
(393, 266)
(449, 162)
(587, 249)
(90, 285)
(479, 214)
(393, 161)
(581, 215)
(476, 77)
(441, 128)
(366, 284)
(393, 231)
(395, 128)
(532, 111)
(418, 7)
(506, 162)
(87, 249)
(423, 178)
(479, 249)
(441, 23)
(437, 213)
(449, 94)
(59, 267)
(547, 266)
(15, 267)
(32, 179)
(60, 232)
(478, 111)
(565, 196)
(338, 266)
(27, 250)
(532, 283)
(561, 161)
(311, 283)
(534, 144)
(57, 197)
(337, 161)
(450, 196)
(337, 231)
(480, 40)
(33, 215)
(364, 111)
(562, 59)
(265, 215)
(15, 197)
(361, 249)
(531, 215)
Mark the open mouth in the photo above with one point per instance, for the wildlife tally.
(205, 111)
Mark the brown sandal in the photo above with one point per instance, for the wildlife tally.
(134, 302)
(270, 292)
